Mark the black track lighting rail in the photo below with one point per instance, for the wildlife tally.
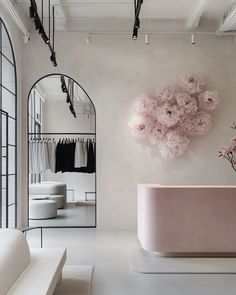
(137, 9)
(38, 23)
(69, 91)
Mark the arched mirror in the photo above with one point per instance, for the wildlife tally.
(61, 154)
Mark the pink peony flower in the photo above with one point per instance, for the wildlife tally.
(168, 115)
(165, 94)
(224, 151)
(144, 105)
(191, 83)
(197, 125)
(173, 145)
(208, 100)
(186, 103)
(140, 126)
(157, 133)
(233, 125)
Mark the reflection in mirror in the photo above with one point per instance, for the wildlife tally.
(61, 154)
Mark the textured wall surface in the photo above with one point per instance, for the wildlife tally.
(113, 70)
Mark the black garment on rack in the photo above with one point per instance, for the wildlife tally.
(65, 157)
(59, 158)
(90, 163)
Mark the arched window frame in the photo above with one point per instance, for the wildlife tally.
(8, 131)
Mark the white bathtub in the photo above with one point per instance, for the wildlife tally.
(187, 220)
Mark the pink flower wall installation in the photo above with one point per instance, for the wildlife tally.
(172, 114)
(208, 100)
(165, 94)
(157, 134)
(140, 126)
(191, 83)
(186, 103)
(168, 115)
(144, 105)
(197, 125)
(173, 145)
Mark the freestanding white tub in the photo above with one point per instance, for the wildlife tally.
(187, 220)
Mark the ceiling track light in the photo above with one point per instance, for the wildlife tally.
(193, 39)
(38, 23)
(69, 93)
(137, 8)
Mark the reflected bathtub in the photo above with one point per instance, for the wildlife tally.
(187, 220)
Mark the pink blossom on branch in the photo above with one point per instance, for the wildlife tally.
(191, 83)
(233, 125)
(173, 145)
(140, 126)
(144, 105)
(233, 140)
(224, 151)
(186, 103)
(197, 125)
(168, 115)
(208, 100)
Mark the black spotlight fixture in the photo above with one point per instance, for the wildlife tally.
(63, 85)
(69, 91)
(38, 23)
(137, 8)
(53, 58)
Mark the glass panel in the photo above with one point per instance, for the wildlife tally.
(11, 159)
(6, 46)
(11, 216)
(11, 130)
(11, 189)
(8, 102)
(8, 75)
(3, 172)
(4, 183)
(3, 130)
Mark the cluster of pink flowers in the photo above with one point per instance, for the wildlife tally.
(229, 152)
(173, 114)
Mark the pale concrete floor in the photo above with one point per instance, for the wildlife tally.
(108, 252)
(70, 216)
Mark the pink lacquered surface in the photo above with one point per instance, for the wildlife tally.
(187, 219)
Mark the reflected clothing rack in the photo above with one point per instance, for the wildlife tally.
(56, 133)
(76, 160)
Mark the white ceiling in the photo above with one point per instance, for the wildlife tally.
(86, 15)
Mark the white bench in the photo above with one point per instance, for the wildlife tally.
(25, 271)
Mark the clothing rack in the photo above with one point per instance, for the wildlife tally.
(56, 133)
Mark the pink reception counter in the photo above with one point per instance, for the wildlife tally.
(187, 220)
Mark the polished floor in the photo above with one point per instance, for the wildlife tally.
(74, 215)
(108, 251)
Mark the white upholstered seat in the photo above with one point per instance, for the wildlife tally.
(25, 271)
(42, 209)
